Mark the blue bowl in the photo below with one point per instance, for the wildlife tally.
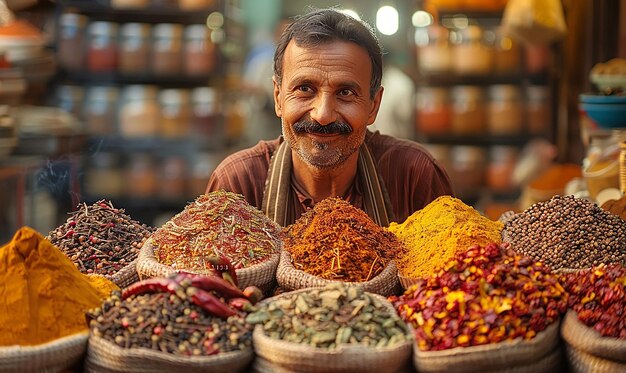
(590, 98)
(606, 115)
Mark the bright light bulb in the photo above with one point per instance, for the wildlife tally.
(387, 20)
(421, 19)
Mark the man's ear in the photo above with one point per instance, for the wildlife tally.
(277, 102)
(375, 106)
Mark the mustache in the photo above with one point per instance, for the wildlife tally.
(309, 126)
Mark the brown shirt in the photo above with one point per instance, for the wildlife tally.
(413, 178)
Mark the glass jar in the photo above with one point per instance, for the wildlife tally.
(129, 4)
(471, 55)
(505, 113)
(139, 115)
(141, 176)
(104, 176)
(134, 48)
(101, 109)
(205, 119)
(70, 99)
(175, 112)
(507, 59)
(199, 51)
(71, 44)
(167, 46)
(468, 110)
(536, 58)
(102, 47)
(538, 109)
(173, 178)
(432, 110)
(468, 170)
(434, 54)
(502, 161)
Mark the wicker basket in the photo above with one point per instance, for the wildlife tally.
(540, 354)
(55, 356)
(262, 275)
(106, 357)
(289, 278)
(588, 341)
(282, 356)
(127, 275)
(582, 362)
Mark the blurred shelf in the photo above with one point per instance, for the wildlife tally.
(476, 140)
(450, 79)
(171, 81)
(142, 144)
(102, 10)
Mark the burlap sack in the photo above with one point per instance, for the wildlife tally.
(262, 275)
(535, 355)
(106, 357)
(127, 275)
(582, 362)
(289, 278)
(585, 339)
(282, 356)
(55, 356)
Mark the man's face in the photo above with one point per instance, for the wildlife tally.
(324, 101)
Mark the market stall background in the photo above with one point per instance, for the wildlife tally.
(95, 128)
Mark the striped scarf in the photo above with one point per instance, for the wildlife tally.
(279, 200)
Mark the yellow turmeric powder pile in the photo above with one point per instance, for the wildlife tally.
(43, 296)
(436, 233)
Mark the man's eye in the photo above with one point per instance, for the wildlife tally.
(304, 88)
(346, 92)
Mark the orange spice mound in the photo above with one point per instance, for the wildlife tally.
(337, 241)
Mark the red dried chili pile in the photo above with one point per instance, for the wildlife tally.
(218, 223)
(598, 295)
(486, 295)
(337, 241)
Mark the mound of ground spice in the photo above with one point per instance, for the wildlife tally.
(219, 223)
(337, 241)
(436, 233)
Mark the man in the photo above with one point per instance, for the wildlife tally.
(327, 91)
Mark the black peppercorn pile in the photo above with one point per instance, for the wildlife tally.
(100, 239)
(168, 323)
(568, 233)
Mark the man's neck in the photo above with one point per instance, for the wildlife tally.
(324, 183)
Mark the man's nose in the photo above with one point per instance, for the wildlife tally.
(323, 111)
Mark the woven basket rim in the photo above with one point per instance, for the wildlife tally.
(585, 339)
(70, 339)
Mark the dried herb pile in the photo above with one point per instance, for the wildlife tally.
(486, 295)
(219, 223)
(598, 295)
(329, 317)
(337, 241)
(100, 239)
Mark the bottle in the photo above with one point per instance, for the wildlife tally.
(101, 109)
(471, 54)
(175, 113)
(432, 110)
(434, 53)
(134, 48)
(505, 112)
(71, 44)
(468, 110)
(102, 46)
(167, 49)
(199, 51)
(139, 114)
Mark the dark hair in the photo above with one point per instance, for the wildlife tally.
(327, 25)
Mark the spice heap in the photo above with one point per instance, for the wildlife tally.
(435, 234)
(616, 207)
(44, 296)
(331, 316)
(100, 239)
(337, 241)
(486, 295)
(598, 295)
(197, 315)
(219, 223)
(567, 232)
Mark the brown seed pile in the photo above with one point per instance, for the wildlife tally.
(99, 238)
(567, 232)
(168, 323)
(616, 207)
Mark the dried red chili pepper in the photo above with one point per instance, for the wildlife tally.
(153, 285)
(210, 283)
(210, 303)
